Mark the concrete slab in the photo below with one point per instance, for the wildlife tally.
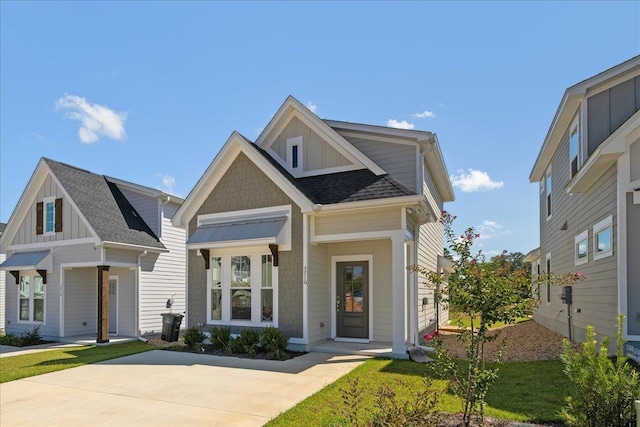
(7, 350)
(163, 388)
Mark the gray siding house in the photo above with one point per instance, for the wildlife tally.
(310, 229)
(90, 257)
(588, 170)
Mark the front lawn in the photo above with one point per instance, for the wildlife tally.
(29, 365)
(524, 391)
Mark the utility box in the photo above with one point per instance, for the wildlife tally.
(566, 295)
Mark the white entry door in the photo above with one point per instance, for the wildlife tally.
(113, 306)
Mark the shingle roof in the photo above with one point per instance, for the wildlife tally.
(104, 206)
(342, 187)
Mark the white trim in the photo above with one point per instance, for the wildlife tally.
(416, 135)
(547, 283)
(299, 168)
(141, 248)
(45, 202)
(575, 125)
(548, 191)
(117, 302)
(146, 191)
(39, 245)
(31, 274)
(367, 204)
(597, 228)
(584, 236)
(343, 237)
(346, 258)
(305, 278)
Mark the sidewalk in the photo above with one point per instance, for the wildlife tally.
(8, 351)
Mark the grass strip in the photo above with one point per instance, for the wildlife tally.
(28, 365)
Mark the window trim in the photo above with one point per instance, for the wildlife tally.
(255, 253)
(598, 228)
(32, 275)
(295, 142)
(548, 192)
(548, 277)
(575, 125)
(45, 202)
(584, 236)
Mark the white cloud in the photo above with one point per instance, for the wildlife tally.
(95, 120)
(168, 183)
(475, 180)
(312, 106)
(425, 114)
(392, 123)
(490, 229)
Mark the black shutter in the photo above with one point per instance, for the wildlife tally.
(58, 215)
(39, 208)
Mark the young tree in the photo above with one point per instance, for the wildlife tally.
(486, 291)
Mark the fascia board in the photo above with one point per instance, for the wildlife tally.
(439, 172)
(117, 245)
(368, 204)
(416, 135)
(293, 106)
(234, 145)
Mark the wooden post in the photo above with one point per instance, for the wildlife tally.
(103, 304)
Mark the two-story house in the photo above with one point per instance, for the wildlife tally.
(90, 257)
(588, 170)
(311, 228)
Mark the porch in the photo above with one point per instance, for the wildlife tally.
(373, 349)
(92, 339)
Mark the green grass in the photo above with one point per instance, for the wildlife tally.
(28, 365)
(524, 391)
(458, 319)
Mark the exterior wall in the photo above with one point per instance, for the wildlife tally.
(319, 293)
(429, 188)
(381, 309)
(633, 267)
(597, 296)
(50, 329)
(316, 152)
(244, 186)
(162, 276)
(81, 301)
(121, 255)
(126, 300)
(361, 221)
(72, 226)
(398, 160)
(146, 206)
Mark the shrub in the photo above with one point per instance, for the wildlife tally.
(246, 343)
(10, 339)
(220, 337)
(194, 337)
(604, 389)
(274, 343)
(30, 337)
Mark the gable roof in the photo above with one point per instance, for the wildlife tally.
(103, 205)
(571, 100)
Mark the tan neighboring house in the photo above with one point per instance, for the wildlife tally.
(589, 174)
(310, 229)
(89, 257)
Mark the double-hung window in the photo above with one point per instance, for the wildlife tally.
(603, 238)
(49, 215)
(31, 299)
(242, 288)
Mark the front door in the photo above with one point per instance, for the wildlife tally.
(352, 299)
(113, 306)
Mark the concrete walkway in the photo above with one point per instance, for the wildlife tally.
(8, 351)
(164, 388)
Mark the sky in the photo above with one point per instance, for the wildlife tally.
(149, 92)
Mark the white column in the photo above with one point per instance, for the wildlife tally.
(398, 296)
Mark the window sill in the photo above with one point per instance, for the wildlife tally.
(244, 323)
(603, 255)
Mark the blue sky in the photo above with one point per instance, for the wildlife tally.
(149, 91)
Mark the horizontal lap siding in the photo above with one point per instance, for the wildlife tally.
(597, 296)
(362, 221)
(81, 301)
(398, 160)
(122, 256)
(126, 300)
(3, 280)
(319, 293)
(163, 276)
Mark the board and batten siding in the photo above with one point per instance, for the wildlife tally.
(162, 276)
(319, 293)
(245, 186)
(597, 296)
(382, 310)
(146, 206)
(73, 227)
(398, 160)
(317, 154)
(360, 221)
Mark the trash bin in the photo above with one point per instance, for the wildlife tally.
(171, 326)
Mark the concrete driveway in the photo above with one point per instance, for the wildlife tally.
(164, 388)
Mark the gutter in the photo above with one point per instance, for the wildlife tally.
(365, 204)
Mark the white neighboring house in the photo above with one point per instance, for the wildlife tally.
(90, 256)
(2, 283)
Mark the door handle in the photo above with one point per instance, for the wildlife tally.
(338, 304)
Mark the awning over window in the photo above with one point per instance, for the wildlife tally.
(36, 260)
(238, 232)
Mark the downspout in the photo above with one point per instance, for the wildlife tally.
(143, 254)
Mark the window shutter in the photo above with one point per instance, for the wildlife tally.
(39, 208)
(58, 224)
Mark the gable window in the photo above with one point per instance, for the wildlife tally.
(580, 246)
(242, 287)
(548, 191)
(574, 146)
(602, 239)
(548, 277)
(294, 154)
(31, 299)
(49, 216)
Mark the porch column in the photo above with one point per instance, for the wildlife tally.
(103, 304)
(398, 295)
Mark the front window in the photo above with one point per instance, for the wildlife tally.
(31, 299)
(602, 239)
(242, 288)
(581, 255)
(548, 274)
